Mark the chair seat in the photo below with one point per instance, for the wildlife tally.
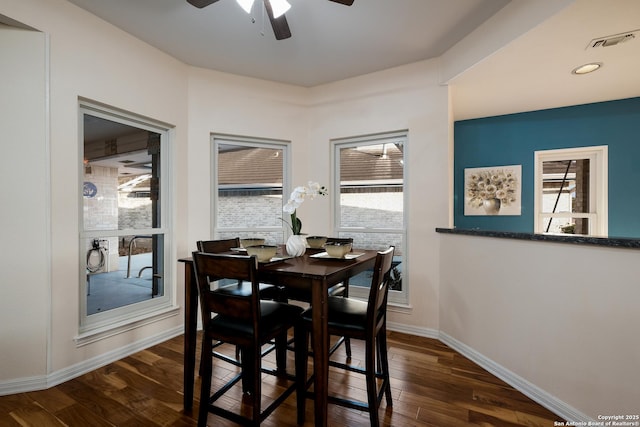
(346, 314)
(243, 289)
(274, 316)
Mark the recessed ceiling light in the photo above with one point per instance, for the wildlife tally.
(587, 68)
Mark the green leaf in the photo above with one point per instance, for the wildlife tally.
(296, 224)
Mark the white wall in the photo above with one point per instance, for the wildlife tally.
(24, 195)
(562, 317)
(88, 58)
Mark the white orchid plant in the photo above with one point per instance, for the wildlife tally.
(298, 196)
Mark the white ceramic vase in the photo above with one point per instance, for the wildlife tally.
(296, 245)
(491, 206)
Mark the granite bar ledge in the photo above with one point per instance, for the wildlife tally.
(573, 239)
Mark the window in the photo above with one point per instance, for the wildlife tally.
(248, 181)
(123, 235)
(370, 201)
(571, 191)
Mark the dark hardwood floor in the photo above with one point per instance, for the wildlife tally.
(432, 385)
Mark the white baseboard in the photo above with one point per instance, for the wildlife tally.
(413, 330)
(555, 405)
(42, 382)
(23, 385)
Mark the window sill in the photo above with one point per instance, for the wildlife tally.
(578, 240)
(98, 334)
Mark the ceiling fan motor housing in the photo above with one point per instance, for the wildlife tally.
(279, 24)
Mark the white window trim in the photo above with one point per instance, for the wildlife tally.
(217, 139)
(395, 297)
(100, 325)
(598, 187)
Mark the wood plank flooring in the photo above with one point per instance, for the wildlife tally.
(432, 385)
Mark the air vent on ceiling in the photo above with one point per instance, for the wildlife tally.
(613, 40)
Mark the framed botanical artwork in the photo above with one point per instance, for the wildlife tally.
(493, 191)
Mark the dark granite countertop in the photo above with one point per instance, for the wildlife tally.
(567, 238)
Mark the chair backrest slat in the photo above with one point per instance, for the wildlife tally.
(379, 291)
(217, 246)
(234, 267)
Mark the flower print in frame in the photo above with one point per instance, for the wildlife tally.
(492, 191)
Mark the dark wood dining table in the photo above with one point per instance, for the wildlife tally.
(305, 273)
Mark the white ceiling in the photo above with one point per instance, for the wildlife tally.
(329, 41)
(533, 44)
(533, 71)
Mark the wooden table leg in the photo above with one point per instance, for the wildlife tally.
(320, 338)
(190, 327)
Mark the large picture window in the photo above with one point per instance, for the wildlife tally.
(248, 182)
(370, 200)
(123, 236)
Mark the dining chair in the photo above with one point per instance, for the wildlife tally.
(356, 319)
(242, 288)
(245, 321)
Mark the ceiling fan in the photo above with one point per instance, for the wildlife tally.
(277, 19)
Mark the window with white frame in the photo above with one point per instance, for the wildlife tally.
(124, 219)
(370, 201)
(248, 177)
(571, 191)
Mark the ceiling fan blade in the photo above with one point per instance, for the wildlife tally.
(279, 25)
(344, 2)
(201, 3)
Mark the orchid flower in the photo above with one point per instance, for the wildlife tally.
(298, 196)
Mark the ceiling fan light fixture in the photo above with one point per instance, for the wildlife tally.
(246, 5)
(279, 7)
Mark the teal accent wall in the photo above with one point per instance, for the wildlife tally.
(512, 140)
